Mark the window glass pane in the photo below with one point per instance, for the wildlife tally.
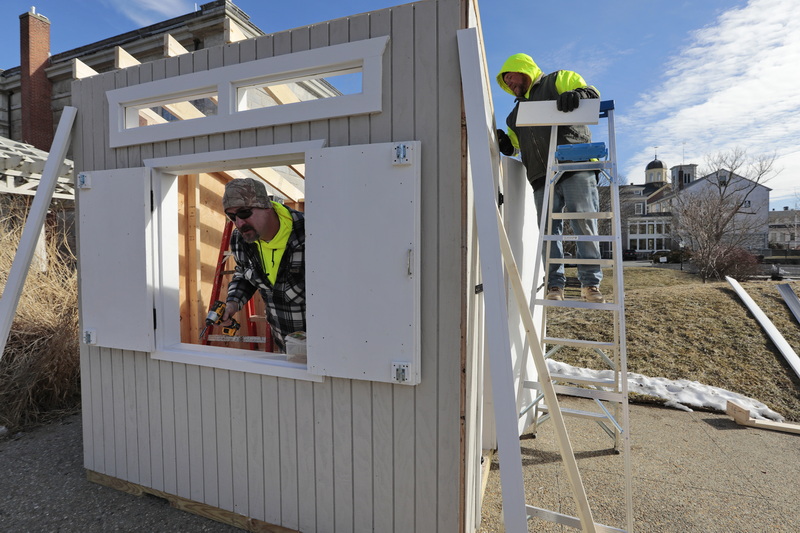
(267, 94)
(190, 108)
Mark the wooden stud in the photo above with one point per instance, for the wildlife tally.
(123, 59)
(172, 47)
(81, 70)
(742, 417)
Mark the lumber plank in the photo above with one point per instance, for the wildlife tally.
(742, 417)
(191, 506)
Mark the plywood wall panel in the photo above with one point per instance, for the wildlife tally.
(239, 443)
(210, 479)
(166, 410)
(224, 441)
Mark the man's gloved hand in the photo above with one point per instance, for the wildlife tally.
(504, 143)
(568, 101)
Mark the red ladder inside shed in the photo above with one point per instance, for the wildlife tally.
(216, 289)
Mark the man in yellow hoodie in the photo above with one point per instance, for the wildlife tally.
(269, 246)
(574, 191)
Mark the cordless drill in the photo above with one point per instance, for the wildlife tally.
(215, 317)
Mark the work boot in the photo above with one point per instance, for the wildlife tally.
(592, 294)
(555, 293)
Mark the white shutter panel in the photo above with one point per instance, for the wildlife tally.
(115, 258)
(363, 262)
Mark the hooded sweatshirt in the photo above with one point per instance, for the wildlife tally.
(533, 142)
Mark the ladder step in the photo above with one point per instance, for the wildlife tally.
(579, 238)
(574, 261)
(583, 216)
(582, 165)
(578, 343)
(578, 304)
(236, 338)
(608, 396)
(567, 520)
(583, 380)
(578, 413)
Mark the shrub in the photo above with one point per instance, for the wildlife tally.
(739, 264)
(39, 370)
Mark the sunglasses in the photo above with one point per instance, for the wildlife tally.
(241, 214)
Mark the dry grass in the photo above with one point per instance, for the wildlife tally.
(681, 328)
(39, 371)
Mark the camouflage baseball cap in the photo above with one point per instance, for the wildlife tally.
(245, 192)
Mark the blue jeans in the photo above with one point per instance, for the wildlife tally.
(575, 192)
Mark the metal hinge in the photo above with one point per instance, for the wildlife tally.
(402, 154)
(401, 372)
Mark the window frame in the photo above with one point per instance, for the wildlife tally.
(168, 346)
(366, 56)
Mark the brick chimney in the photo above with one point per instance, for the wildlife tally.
(37, 90)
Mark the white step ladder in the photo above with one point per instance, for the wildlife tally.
(496, 259)
(609, 387)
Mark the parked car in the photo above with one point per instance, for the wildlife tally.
(629, 255)
(660, 256)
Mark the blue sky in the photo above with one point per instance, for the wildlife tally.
(691, 77)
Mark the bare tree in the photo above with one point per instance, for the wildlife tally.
(724, 212)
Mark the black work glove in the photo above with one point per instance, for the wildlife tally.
(568, 101)
(504, 143)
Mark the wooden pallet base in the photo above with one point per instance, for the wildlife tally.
(184, 504)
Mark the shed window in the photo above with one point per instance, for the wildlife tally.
(334, 81)
(357, 298)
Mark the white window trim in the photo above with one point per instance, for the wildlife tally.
(366, 55)
(168, 346)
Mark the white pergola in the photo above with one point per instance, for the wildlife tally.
(21, 167)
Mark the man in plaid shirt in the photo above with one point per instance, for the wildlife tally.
(268, 245)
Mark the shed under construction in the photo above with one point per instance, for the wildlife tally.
(382, 429)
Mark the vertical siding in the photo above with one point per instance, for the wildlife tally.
(339, 455)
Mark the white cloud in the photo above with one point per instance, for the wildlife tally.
(146, 12)
(733, 85)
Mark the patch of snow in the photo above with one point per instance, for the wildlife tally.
(679, 394)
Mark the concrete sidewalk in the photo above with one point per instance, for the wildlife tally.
(692, 472)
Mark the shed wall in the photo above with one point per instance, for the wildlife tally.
(341, 455)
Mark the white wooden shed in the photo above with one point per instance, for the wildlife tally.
(382, 429)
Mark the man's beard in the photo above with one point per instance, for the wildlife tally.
(254, 234)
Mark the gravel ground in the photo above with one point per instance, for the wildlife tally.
(692, 472)
(43, 488)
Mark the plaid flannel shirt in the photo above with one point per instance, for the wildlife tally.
(286, 299)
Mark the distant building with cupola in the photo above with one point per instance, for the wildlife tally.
(646, 209)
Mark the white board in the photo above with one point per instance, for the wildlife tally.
(546, 113)
(363, 261)
(115, 265)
